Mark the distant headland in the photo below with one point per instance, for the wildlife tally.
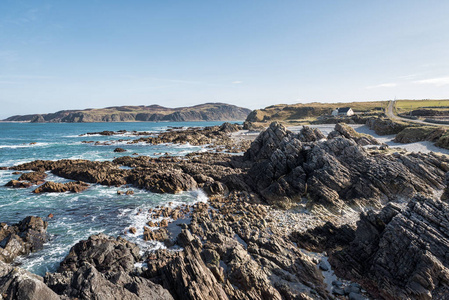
(155, 113)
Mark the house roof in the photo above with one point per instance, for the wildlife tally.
(343, 109)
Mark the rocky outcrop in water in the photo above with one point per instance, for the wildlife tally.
(217, 137)
(400, 253)
(333, 172)
(18, 184)
(27, 236)
(280, 166)
(57, 187)
(33, 177)
(26, 180)
(160, 175)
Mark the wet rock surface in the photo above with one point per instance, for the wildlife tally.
(27, 236)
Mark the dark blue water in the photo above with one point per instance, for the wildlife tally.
(99, 209)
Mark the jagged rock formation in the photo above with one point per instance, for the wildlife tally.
(22, 238)
(400, 253)
(100, 268)
(287, 166)
(203, 112)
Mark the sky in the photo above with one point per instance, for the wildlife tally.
(57, 55)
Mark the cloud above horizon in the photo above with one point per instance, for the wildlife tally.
(439, 81)
(383, 85)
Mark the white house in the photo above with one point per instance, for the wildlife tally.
(343, 111)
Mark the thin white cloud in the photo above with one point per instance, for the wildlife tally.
(383, 85)
(411, 76)
(237, 82)
(440, 81)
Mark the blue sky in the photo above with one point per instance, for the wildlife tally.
(61, 54)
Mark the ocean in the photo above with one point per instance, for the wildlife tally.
(100, 208)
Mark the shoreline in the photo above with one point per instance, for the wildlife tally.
(264, 221)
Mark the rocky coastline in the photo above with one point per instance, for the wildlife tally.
(281, 218)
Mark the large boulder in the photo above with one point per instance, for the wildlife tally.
(27, 236)
(89, 283)
(104, 253)
(101, 268)
(172, 181)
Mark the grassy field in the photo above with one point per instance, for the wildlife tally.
(408, 105)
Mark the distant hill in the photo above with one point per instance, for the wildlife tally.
(202, 112)
(309, 111)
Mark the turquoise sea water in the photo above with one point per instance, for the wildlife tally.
(99, 209)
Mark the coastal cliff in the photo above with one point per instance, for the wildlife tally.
(155, 113)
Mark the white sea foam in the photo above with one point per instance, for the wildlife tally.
(84, 135)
